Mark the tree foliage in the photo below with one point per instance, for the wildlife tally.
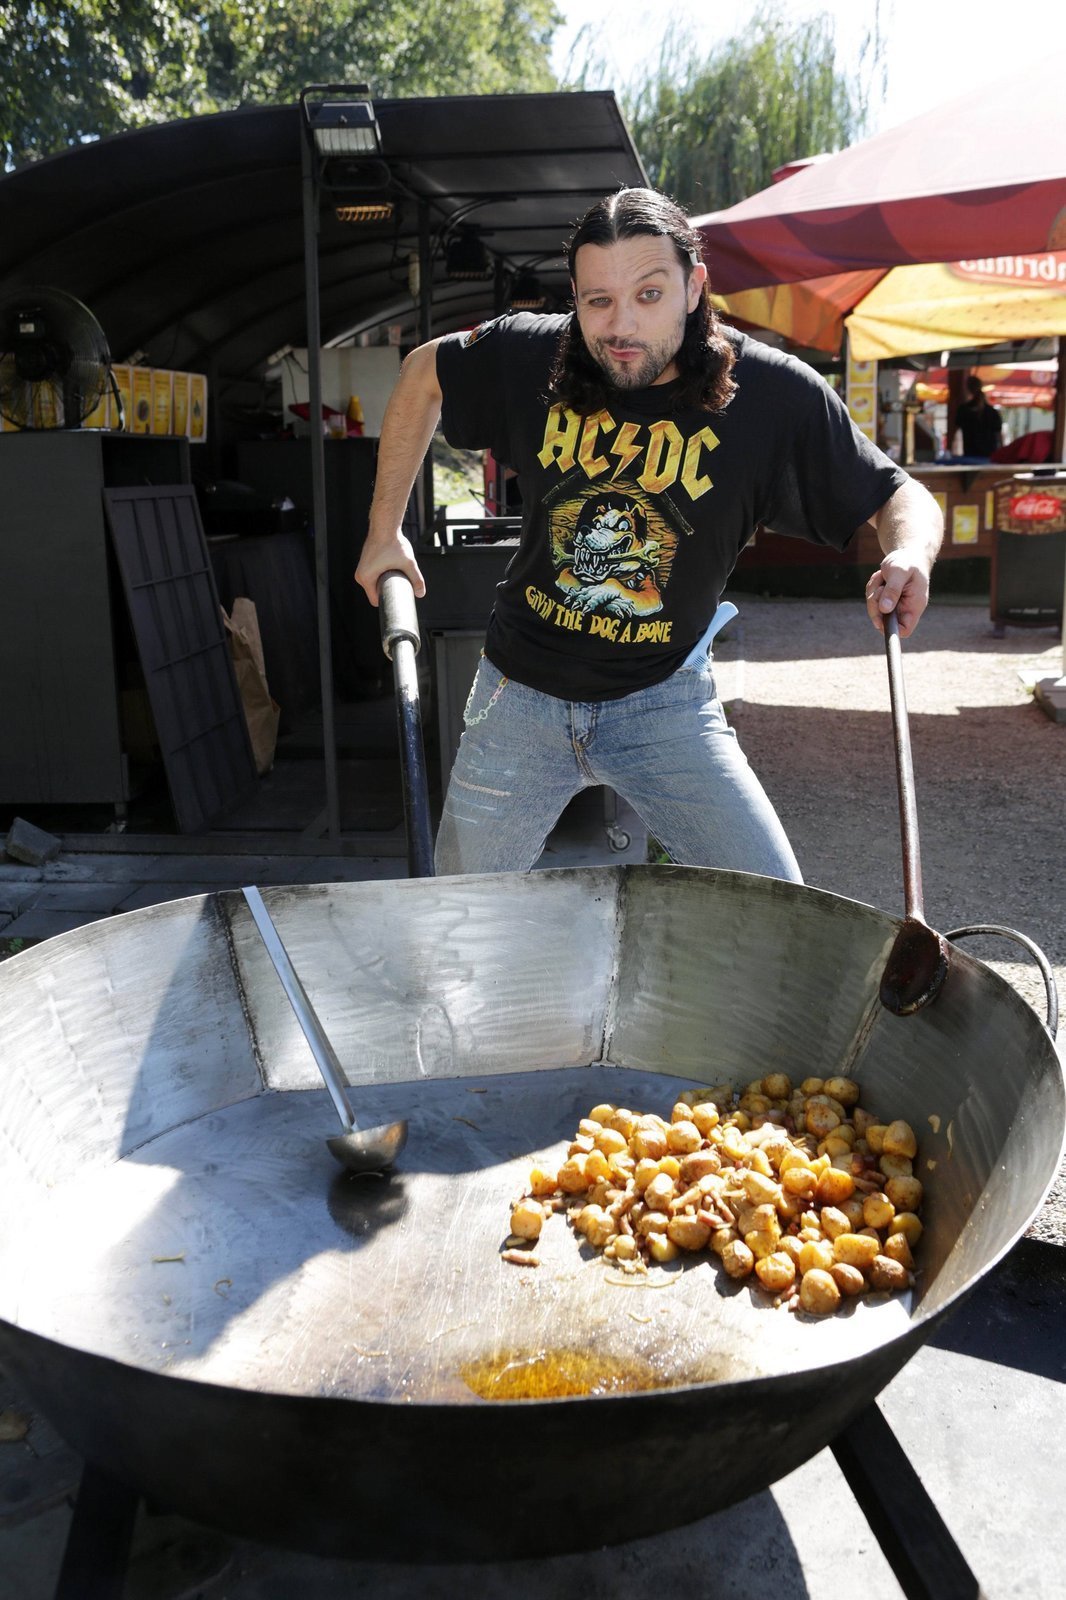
(711, 130)
(80, 69)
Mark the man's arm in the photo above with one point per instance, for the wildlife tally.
(411, 417)
(909, 529)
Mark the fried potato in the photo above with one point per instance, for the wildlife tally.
(803, 1188)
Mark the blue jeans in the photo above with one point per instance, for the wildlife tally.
(668, 750)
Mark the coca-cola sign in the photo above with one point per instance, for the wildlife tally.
(1034, 507)
(1023, 506)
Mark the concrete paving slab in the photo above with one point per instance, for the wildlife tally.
(101, 895)
(15, 897)
(47, 923)
(224, 872)
(244, 870)
(345, 869)
(119, 867)
(15, 872)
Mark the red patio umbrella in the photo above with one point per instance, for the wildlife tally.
(981, 174)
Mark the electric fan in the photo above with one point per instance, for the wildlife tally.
(55, 366)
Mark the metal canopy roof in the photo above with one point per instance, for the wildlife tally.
(185, 240)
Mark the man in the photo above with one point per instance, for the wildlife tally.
(981, 424)
(649, 442)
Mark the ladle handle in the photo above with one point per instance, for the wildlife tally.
(306, 1016)
(908, 809)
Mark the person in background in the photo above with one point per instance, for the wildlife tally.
(650, 440)
(981, 424)
(926, 445)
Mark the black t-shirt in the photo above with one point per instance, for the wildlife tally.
(634, 516)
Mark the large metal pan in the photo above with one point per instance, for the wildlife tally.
(205, 1307)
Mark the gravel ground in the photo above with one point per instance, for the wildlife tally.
(807, 687)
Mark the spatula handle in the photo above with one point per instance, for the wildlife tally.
(908, 808)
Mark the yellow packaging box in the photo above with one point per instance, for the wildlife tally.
(180, 417)
(162, 401)
(141, 421)
(197, 407)
(120, 416)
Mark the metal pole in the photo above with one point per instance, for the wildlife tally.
(913, 1536)
(499, 306)
(425, 332)
(308, 159)
(96, 1557)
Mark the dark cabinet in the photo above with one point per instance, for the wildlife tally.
(1029, 550)
(60, 717)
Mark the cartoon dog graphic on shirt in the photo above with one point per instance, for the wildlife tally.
(611, 565)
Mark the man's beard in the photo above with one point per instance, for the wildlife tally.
(642, 372)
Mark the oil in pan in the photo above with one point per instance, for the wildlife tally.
(551, 1374)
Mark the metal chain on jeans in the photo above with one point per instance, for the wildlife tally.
(472, 722)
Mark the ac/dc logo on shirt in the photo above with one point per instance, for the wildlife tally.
(656, 453)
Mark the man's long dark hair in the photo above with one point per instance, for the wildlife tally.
(705, 359)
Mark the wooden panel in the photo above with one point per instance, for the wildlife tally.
(174, 609)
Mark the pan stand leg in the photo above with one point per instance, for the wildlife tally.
(917, 1544)
(98, 1544)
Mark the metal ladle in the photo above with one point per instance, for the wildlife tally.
(358, 1149)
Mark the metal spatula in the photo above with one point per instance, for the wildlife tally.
(918, 961)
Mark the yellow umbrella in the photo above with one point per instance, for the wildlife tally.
(913, 309)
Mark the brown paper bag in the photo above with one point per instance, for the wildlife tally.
(261, 711)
